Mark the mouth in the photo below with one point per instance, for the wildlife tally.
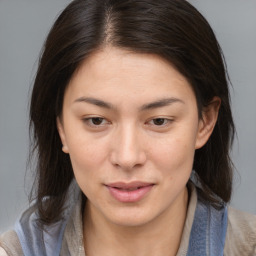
(129, 192)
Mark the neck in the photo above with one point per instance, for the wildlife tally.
(159, 237)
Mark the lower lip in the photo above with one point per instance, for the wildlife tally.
(132, 196)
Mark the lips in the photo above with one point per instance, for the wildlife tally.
(129, 192)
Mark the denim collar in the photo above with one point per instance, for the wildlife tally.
(207, 236)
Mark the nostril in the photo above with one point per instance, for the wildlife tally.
(127, 154)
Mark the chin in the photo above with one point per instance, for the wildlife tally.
(131, 217)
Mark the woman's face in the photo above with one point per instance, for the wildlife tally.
(130, 125)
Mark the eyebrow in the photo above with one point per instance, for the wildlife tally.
(152, 105)
(96, 102)
(160, 103)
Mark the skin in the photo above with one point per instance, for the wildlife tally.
(130, 139)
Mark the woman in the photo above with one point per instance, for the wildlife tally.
(129, 98)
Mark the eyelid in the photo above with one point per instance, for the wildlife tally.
(168, 121)
(87, 120)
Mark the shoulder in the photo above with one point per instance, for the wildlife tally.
(10, 244)
(241, 233)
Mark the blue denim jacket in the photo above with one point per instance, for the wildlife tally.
(208, 232)
(207, 237)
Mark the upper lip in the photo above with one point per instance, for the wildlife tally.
(129, 185)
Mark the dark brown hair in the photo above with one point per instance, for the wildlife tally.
(172, 29)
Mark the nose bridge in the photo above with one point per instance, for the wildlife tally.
(128, 150)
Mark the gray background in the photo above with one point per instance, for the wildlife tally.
(23, 27)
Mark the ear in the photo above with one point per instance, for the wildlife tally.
(62, 135)
(207, 122)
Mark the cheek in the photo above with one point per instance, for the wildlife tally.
(87, 161)
(87, 155)
(175, 154)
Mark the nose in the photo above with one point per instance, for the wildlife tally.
(128, 150)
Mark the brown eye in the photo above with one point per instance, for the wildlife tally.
(159, 121)
(97, 120)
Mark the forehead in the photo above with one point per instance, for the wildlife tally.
(118, 74)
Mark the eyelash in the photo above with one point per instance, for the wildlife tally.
(151, 122)
(166, 121)
(89, 121)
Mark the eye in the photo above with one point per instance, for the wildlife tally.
(160, 121)
(95, 121)
(160, 124)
